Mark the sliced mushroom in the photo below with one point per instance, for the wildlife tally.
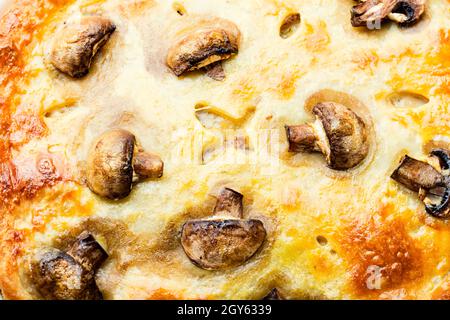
(432, 185)
(77, 44)
(221, 243)
(404, 12)
(70, 276)
(338, 132)
(113, 159)
(274, 294)
(204, 46)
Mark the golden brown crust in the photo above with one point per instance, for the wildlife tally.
(17, 30)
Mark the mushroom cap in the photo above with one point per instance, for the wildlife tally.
(76, 45)
(58, 276)
(221, 243)
(109, 164)
(347, 135)
(204, 46)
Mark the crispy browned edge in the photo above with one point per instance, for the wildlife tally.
(20, 25)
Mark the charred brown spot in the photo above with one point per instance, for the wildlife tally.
(380, 255)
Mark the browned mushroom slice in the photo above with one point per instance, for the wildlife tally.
(203, 47)
(415, 174)
(222, 243)
(404, 12)
(76, 46)
(274, 294)
(432, 185)
(229, 202)
(88, 252)
(58, 276)
(113, 159)
(339, 133)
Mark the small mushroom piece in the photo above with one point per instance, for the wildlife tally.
(432, 185)
(229, 203)
(77, 44)
(274, 294)
(339, 133)
(221, 242)
(203, 47)
(289, 24)
(404, 12)
(113, 159)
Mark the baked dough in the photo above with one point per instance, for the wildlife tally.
(329, 234)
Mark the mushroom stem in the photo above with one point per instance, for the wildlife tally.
(301, 138)
(416, 175)
(229, 203)
(433, 186)
(148, 165)
(88, 252)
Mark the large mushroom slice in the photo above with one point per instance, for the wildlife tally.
(223, 242)
(113, 162)
(404, 12)
(338, 132)
(205, 47)
(77, 44)
(432, 185)
(60, 275)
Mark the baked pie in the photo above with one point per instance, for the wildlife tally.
(266, 149)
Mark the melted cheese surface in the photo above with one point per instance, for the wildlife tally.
(330, 235)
